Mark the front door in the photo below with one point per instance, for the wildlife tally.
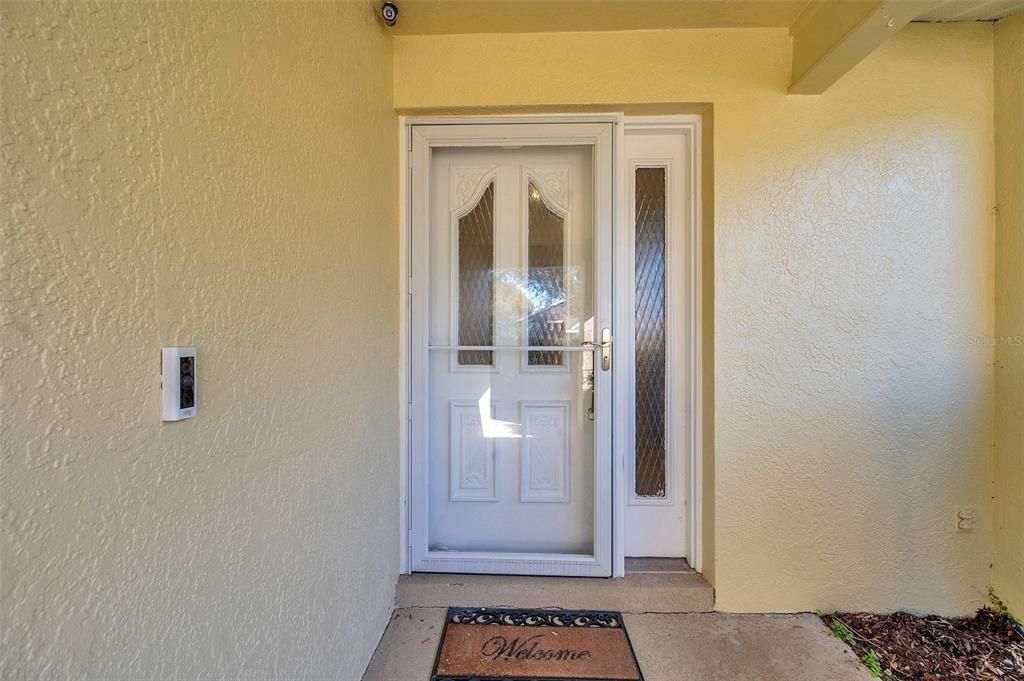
(511, 355)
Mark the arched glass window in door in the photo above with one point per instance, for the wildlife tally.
(476, 281)
(546, 279)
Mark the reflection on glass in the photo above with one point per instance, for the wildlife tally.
(495, 428)
(546, 284)
(650, 332)
(476, 281)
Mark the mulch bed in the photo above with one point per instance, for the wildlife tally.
(984, 647)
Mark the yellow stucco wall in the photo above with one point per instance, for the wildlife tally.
(223, 174)
(853, 257)
(1008, 564)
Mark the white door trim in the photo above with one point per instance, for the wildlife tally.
(622, 397)
(689, 127)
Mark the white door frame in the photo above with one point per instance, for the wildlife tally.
(540, 130)
(683, 254)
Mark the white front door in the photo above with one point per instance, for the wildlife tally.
(511, 288)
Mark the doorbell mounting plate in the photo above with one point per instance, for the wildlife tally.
(179, 382)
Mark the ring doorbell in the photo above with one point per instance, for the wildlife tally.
(179, 383)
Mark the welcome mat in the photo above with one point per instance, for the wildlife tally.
(496, 644)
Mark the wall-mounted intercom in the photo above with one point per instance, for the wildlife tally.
(179, 383)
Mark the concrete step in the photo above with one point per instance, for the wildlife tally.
(635, 593)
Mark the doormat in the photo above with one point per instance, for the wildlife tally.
(496, 644)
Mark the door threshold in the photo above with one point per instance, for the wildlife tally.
(640, 566)
(661, 592)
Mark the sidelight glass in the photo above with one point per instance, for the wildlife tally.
(650, 457)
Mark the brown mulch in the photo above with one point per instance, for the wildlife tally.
(984, 647)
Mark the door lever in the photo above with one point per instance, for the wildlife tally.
(606, 348)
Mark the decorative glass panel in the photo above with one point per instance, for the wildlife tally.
(476, 280)
(546, 283)
(650, 332)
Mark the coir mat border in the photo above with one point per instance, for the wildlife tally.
(520, 617)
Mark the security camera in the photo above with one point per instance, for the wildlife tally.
(389, 13)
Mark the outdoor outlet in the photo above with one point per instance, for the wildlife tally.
(964, 516)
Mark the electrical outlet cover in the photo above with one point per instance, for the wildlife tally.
(964, 517)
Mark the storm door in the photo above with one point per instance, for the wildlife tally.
(511, 353)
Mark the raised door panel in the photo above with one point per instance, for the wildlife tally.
(546, 452)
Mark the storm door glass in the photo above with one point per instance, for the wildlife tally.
(511, 385)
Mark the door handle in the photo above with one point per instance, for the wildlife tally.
(606, 348)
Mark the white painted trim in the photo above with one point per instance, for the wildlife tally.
(620, 359)
(597, 131)
(404, 149)
(516, 119)
(696, 367)
(690, 127)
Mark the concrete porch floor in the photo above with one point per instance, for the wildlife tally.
(669, 647)
(667, 616)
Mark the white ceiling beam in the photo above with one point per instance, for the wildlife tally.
(832, 36)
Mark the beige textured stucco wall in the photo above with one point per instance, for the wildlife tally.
(853, 253)
(1008, 564)
(222, 174)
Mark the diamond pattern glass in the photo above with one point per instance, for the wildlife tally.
(650, 333)
(546, 281)
(476, 281)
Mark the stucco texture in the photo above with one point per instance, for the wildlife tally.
(224, 175)
(1008, 563)
(853, 258)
